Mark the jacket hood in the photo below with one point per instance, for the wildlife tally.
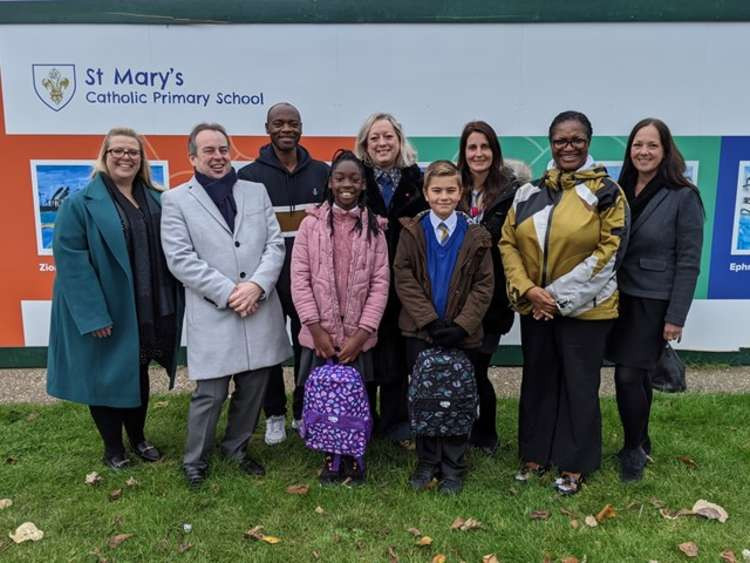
(267, 156)
(320, 212)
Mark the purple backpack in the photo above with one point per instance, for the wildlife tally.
(336, 415)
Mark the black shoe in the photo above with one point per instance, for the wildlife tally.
(632, 462)
(252, 467)
(329, 476)
(147, 451)
(451, 486)
(116, 461)
(353, 472)
(194, 475)
(422, 476)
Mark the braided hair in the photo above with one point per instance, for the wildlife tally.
(343, 155)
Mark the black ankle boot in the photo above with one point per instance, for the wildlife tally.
(632, 462)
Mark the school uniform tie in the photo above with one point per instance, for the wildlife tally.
(386, 187)
(443, 233)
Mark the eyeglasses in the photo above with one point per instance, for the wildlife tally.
(120, 152)
(576, 143)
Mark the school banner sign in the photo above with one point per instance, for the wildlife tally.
(64, 86)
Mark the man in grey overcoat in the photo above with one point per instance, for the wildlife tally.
(221, 239)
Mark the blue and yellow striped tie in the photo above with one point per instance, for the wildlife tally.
(443, 230)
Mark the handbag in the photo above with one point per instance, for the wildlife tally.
(668, 374)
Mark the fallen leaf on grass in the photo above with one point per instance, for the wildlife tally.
(540, 515)
(132, 482)
(319, 510)
(392, 557)
(710, 510)
(414, 531)
(689, 548)
(574, 524)
(316, 554)
(32, 416)
(424, 541)
(298, 489)
(160, 404)
(5, 503)
(465, 524)
(256, 534)
(746, 554)
(728, 556)
(566, 512)
(605, 513)
(657, 503)
(439, 558)
(490, 558)
(26, 532)
(10, 460)
(93, 478)
(457, 523)
(590, 521)
(675, 514)
(569, 560)
(183, 547)
(115, 495)
(115, 541)
(689, 461)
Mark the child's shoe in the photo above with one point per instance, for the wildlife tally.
(354, 473)
(328, 476)
(451, 486)
(422, 476)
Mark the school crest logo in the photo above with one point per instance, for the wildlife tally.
(54, 84)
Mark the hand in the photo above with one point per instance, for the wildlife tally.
(353, 346)
(672, 332)
(435, 325)
(541, 315)
(542, 301)
(322, 342)
(244, 298)
(451, 336)
(103, 332)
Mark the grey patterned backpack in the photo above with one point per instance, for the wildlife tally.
(442, 393)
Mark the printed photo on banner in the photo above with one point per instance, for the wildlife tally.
(741, 223)
(614, 167)
(54, 180)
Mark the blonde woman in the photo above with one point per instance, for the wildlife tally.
(394, 190)
(115, 305)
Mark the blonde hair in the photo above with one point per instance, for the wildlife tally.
(406, 154)
(144, 172)
(441, 169)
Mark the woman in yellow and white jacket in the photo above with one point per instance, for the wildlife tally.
(562, 243)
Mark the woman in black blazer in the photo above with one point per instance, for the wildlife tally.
(489, 188)
(657, 277)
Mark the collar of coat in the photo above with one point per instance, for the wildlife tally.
(557, 179)
(478, 233)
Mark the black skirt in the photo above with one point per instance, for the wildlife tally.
(637, 339)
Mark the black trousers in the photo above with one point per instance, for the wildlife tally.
(274, 403)
(446, 453)
(559, 419)
(392, 380)
(111, 420)
(484, 431)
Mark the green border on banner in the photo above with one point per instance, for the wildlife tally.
(534, 151)
(190, 12)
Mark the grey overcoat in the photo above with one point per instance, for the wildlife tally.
(210, 260)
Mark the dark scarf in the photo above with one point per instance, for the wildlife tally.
(220, 192)
(153, 284)
(639, 202)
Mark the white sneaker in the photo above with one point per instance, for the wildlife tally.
(275, 430)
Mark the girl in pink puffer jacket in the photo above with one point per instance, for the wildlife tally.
(340, 280)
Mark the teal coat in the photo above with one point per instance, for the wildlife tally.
(94, 289)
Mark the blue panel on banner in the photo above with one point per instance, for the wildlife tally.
(730, 255)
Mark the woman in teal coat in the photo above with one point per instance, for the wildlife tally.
(115, 305)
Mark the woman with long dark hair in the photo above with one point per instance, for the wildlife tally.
(657, 278)
(489, 187)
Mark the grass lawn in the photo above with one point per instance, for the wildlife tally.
(46, 452)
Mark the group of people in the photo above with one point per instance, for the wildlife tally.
(373, 261)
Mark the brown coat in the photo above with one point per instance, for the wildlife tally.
(471, 285)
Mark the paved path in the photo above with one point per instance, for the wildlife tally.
(28, 385)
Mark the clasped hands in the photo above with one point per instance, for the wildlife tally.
(244, 298)
(543, 304)
(324, 347)
(446, 333)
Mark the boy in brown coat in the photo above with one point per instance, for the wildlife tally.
(444, 279)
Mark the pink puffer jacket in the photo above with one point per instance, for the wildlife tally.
(314, 281)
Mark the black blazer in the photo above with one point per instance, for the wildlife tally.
(662, 260)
